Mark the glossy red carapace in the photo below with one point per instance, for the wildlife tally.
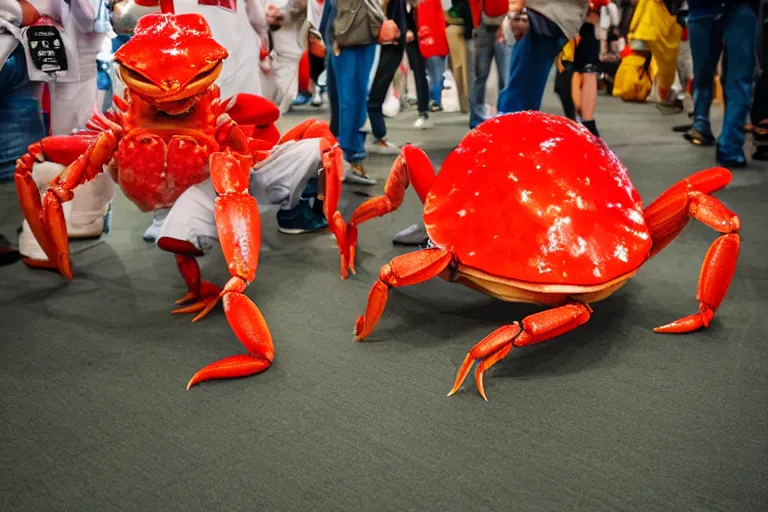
(188, 49)
(536, 198)
(531, 207)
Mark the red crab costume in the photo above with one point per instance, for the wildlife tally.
(574, 229)
(167, 140)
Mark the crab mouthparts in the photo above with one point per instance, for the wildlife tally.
(176, 107)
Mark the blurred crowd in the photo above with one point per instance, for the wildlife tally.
(477, 57)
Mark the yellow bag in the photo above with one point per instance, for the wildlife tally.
(632, 81)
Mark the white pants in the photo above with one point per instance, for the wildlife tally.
(276, 181)
(71, 107)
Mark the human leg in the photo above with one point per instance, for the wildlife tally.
(333, 96)
(435, 70)
(740, 35)
(71, 106)
(417, 64)
(706, 46)
(483, 57)
(530, 62)
(563, 90)
(587, 63)
(458, 47)
(389, 60)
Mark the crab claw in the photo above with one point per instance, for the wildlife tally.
(492, 349)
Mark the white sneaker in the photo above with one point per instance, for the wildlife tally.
(382, 147)
(152, 233)
(28, 246)
(317, 98)
(423, 123)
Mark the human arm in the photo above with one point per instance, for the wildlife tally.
(254, 9)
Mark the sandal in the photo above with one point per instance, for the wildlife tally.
(697, 138)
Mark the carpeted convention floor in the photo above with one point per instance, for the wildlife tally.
(94, 414)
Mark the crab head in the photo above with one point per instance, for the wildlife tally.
(170, 61)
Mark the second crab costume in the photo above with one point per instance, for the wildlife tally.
(174, 141)
(548, 217)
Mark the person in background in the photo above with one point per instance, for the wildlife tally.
(655, 29)
(540, 38)
(714, 26)
(316, 60)
(564, 77)
(459, 34)
(348, 69)
(610, 44)
(490, 46)
(20, 121)
(759, 112)
(88, 214)
(281, 83)
(433, 45)
(389, 61)
(586, 64)
(418, 65)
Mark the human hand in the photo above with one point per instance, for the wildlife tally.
(409, 37)
(388, 32)
(516, 6)
(274, 15)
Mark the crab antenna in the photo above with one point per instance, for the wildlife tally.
(166, 7)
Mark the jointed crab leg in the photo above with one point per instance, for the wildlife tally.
(666, 218)
(411, 166)
(238, 225)
(330, 182)
(404, 270)
(46, 216)
(535, 329)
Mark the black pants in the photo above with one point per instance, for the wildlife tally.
(419, 66)
(563, 90)
(389, 60)
(760, 101)
(316, 67)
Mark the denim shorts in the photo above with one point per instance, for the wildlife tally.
(21, 123)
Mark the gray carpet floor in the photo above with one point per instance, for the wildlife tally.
(94, 414)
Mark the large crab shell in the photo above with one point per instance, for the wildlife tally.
(536, 198)
(170, 49)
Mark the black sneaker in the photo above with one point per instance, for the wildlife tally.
(8, 255)
(302, 219)
(736, 162)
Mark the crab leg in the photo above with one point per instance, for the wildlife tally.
(309, 129)
(535, 329)
(667, 216)
(404, 270)
(411, 166)
(85, 157)
(238, 224)
(330, 182)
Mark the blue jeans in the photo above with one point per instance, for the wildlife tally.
(529, 65)
(486, 50)
(347, 78)
(736, 27)
(21, 123)
(435, 70)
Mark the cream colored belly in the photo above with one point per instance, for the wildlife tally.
(520, 291)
